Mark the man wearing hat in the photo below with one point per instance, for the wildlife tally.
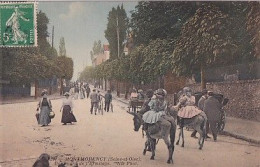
(201, 106)
(94, 101)
(212, 108)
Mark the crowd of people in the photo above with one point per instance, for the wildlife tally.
(76, 91)
(154, 106)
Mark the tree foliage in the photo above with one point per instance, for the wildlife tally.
(205, 40)
(96, 49)
(162, 19)
(253, 26)
(111, 31)
(62, 47)
(24, 65)
(44, 46)
(183, 37)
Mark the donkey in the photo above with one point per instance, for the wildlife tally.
(197, 122)
(164, 131)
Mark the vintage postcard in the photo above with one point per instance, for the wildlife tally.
(129, 83)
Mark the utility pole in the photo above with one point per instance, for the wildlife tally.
(117, 31)
(52, 40)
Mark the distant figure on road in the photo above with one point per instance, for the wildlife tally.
(67, 113)
(81, 92)
(94, 101)
(87, 90)
(45, 107)
(108, 100)
(140, 95)
(76, 92)
(133, 97)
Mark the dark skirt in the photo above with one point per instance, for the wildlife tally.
(67, 115)
(44, 118)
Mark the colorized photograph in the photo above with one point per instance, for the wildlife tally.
(129, 83)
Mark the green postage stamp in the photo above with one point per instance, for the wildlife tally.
(18, 24)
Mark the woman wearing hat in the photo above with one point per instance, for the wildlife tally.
(45, 107)
(67, 114)
(158, 107)
(187, 104)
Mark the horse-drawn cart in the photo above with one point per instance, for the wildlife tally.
(135, 105)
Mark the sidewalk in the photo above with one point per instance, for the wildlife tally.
(235, 127)
(243, 129)
(27, 99)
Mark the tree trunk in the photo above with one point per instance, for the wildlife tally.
(105, 84)
(126, 90)
(61, 86)
(117, 89)
(202, 75)
(36, 86)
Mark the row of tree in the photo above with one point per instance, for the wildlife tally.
(26, 65)
(181, 37)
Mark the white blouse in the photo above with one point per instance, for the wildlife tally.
(67, 102)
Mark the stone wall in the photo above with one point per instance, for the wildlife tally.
(244, 97)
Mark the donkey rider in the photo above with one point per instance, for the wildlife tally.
(158, 106)
(187, 106)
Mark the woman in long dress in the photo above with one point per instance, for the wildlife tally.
(187, 106)
(67, 114)
(157, 106)
(45, 107)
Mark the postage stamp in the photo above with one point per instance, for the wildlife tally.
(18, 27)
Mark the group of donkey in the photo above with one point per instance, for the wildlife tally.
(166, 131)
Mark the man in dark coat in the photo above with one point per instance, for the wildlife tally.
(212, 108)
(201, 103)
(108, 100)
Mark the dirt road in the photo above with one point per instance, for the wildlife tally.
(104, 140)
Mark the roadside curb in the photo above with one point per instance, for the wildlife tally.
(237, 136)
(26, 101)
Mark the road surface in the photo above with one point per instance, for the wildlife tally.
(105, 140)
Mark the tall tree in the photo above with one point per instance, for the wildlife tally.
(44, 46)
(151, 20)
(116, 30)
(253, 26)
(205, 41)
(62, 48)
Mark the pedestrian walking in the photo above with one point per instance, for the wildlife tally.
(66, 108)
(45, 108)
(99, 102)
(133, 98)
(81, 92)
(94, 101)
(108, 100)
(201, 103)
(212, 108)
(87, 91)
(76, 92)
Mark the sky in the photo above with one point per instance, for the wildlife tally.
(80, 23)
